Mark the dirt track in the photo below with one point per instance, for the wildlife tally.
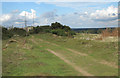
(85, 73)
(76, 52)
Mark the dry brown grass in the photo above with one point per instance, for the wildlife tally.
(99, 38)
(105, 33)
(115, 32)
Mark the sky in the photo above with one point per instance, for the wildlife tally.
(73, 14)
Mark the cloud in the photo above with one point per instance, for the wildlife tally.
(18, 22)
(106, 17)
(29, 15)
(109, 14)
(16, 19)
(46, 18)
(50, 14)
(5, 17)
(70, 19)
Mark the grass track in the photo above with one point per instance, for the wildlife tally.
(36, 60)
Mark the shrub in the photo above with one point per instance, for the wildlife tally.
(18, 31)
(6, 34)
(59, 32)
(56, 25)
(66, 28)
(72, 33)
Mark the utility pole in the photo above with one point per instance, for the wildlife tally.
(12, 26)
(33, 18)
(25, 21)
(25, 29)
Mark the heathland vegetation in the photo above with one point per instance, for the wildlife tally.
(58, 50)
(55, 28)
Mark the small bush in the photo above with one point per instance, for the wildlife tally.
(59, 32)
(72, 33)
(6, 34)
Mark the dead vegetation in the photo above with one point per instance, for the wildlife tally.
(107, 32)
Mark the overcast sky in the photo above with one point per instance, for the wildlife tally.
(73, 14)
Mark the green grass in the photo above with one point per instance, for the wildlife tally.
(34, 60)
(97, 49)
(18, 61)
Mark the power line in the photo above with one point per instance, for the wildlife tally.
(25, 21)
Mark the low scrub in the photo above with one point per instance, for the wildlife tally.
(59, 32)
(55, 28)
(8, 33)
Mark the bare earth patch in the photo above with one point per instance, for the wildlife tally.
(82, 54)
(70, 63)
(108, 63)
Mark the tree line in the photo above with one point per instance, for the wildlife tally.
(55, 28)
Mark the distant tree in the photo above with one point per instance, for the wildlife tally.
(92, 31)
(66, 28)
(99, 31)
(56, 25)
(71, 33)
(61, 30)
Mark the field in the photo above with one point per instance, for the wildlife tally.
(51, 55)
